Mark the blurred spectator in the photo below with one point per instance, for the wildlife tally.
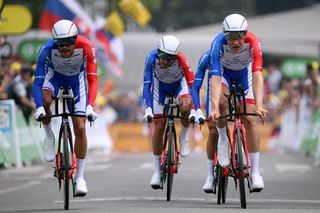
(274, 78)
(3, 91)
(20, 91)
(15, 69)
(7, 78)
(311, 87)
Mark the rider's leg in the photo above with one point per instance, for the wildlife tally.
(80, 149)
(80, 144)
(47, 100)
(253, 142)
(223, 144)
(211, 144)
(157, 140)
(186, 104)
(48, 146)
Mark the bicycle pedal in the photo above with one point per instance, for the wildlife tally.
(80, 194)
(156, 186)
(256, 190)
(209, 191)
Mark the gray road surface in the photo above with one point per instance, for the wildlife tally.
(119, 183)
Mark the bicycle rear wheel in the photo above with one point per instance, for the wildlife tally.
(240, 170)
(170, 162)
(65, 166)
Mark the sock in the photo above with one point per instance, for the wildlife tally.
(222, 135)
(156, 164)
(48, 130)
(80, 168)
(254, 158)
(210, 168)
(184, 134)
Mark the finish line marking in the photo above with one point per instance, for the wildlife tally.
(187, 199)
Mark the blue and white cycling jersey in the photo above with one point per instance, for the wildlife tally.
(159, 82)
(54, 71)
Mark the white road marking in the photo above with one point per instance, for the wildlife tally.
(302, 168)
(146, 165)
(23, 170)
(97, 167)
(190, 199)
(22, 186)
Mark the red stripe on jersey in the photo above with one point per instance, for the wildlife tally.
(90, 65)
(256, 52)
(186, 69)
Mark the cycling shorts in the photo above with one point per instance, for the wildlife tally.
(161, 90)
(77, 84)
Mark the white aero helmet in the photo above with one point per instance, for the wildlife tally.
(169, 44)
(64, 29)
(234, 22)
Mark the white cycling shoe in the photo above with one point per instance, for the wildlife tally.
(81, 188)
(49, 153)
(223, 154)
(208, 185)
(184, 149)
(257, 183)
(155, 181)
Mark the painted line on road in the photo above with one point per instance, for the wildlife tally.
(98, 167)
(302, 168)
(189, 199)
(22, 186)
(147, 165)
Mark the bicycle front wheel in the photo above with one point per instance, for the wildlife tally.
(170, 162)
(222, 185)
(65, 166)
(240, 170)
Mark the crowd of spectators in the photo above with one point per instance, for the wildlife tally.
(16, 80)
(280, 93)
(283, 93)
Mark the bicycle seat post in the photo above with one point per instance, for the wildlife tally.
(243, 96)
(170, 105)
(65, 94)
(234, 94)
(56, 102)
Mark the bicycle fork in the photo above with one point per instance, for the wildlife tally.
(164, 155)
(234, 156)
(59, 171)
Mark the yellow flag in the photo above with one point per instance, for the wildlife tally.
(135, 10)
(114, 24)
(15, 19)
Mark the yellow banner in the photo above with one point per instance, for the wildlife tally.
(135, 10)
(114, 24)
(15, 19)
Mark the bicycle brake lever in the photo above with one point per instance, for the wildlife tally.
(149, 119)
(201, 121)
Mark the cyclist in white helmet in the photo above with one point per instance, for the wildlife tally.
(67, 60)
(236, 55)
(166, 72)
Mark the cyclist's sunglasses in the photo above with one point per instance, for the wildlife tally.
(235, 35)
(66, 41)
(166, 56)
